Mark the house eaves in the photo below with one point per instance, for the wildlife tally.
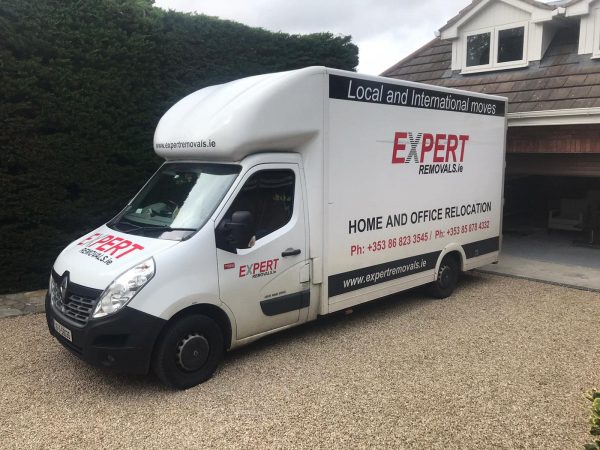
(576, 8)
(575, 116)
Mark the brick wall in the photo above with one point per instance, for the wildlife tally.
(554, 139)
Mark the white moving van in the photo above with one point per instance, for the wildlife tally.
(283, 197)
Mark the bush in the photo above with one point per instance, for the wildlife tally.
(83, 86)
(594, 397)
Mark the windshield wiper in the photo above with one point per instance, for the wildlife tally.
(157, 228)
(124, 222)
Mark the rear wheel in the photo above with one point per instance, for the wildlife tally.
(188, 352)
(447, 277)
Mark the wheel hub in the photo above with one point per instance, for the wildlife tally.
(444, 276)
(192, 352)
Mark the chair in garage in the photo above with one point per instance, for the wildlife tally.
(569, 216)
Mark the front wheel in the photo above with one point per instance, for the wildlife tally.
(188, 352)
(447, 277)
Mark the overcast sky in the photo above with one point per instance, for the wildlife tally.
(384, 30)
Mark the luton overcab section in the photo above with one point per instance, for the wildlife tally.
(283, 197)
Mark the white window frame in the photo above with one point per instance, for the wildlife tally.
(596, 50)
(523, 60)
(466, 42)
(494, 38)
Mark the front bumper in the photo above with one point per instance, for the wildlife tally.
(123, 341)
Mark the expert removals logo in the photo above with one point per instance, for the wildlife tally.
(435, 153)
(259, 269)
(104, 247)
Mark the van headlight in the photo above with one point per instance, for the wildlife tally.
(123, 289)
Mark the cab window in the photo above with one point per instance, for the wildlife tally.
(269, 196)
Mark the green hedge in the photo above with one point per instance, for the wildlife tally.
(83, 85)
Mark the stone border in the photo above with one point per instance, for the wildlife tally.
(22, 303)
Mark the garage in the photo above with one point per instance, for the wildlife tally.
(553, 182)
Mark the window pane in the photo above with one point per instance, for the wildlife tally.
(478, 49)
(269, 196)
(510, 44)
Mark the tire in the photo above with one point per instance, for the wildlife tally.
(188, 352)
(447, 277)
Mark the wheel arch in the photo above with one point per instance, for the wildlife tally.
(215, 312)
(454, 250)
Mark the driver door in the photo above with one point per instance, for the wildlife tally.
(266, 284)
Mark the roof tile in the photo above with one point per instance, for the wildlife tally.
(522, 96)
(506, 87)
(423, 76)
(534, 84)
(575, 80)
(555, 82)
(572, 58)
(422, 59)
(488, 89)
(554, 61)
(583, 103)
(579, 92)
(520, 85)
(511, 96)
(594, 91)
(563, 104)
(549, 104)
(538, 106)
(559, 94)
(544, 95)
(554, 71)
(592, 79)
(517, 107)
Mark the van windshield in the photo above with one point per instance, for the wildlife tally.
(177, 200)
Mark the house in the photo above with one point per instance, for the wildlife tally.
(545, 57)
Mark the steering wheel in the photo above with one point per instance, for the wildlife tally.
(163, 209)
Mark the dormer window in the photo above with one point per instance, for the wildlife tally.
(495, 48)
(478, 49)
(510, 44)
(492, 35)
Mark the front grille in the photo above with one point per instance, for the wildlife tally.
(78, 304)
(77, 308)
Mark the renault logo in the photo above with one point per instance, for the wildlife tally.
(63, 287)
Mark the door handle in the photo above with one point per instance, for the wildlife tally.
(290, 252)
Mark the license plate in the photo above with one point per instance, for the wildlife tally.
(63, 331)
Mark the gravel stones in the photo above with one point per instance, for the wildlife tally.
(502, 363)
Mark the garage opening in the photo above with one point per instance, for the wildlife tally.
(565, 205)
(555, 193)
(551, 223)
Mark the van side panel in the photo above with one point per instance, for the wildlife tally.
(411, 170)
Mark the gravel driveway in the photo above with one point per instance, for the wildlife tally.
(503, 363)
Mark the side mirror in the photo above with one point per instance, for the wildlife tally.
(240, 229)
